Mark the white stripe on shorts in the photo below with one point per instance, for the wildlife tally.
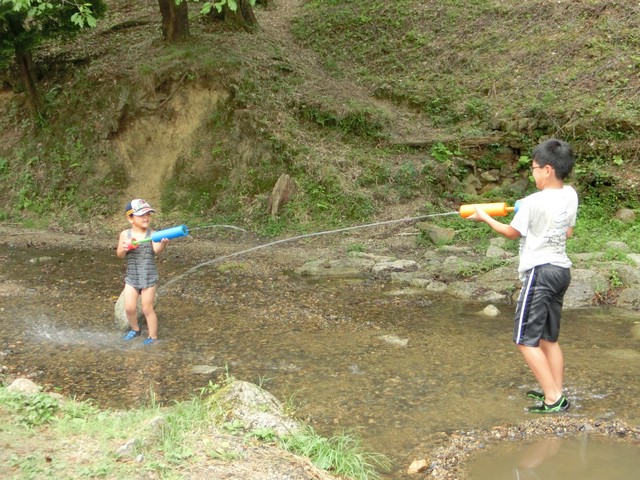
(525, 292)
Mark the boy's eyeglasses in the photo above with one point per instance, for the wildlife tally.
(538, 166)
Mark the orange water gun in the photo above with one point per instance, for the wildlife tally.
(499, 209)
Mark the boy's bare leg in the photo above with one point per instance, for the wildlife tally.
(131, 306)
(555, 358)
(542, 370)
(148, 297)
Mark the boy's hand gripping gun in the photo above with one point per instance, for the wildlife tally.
(170, 233)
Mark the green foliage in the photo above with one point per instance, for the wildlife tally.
(613, 255)
(24, 24)
(342, 455)
(597, 225)
(30, 409)
(477, 268)
(263, 434)
(359, 120)
(356, 247)
(55, 179)
(614, 279)
(207, 7)
(454, 61)
(442, 153)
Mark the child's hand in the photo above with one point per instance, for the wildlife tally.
(480, 215)
(129, 245)
(160, 246)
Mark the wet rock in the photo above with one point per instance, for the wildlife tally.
(417, 466)
(490, 311)
(615, 245)
(394, 340)
(453, 267)
(626, 215)
(41, 260)
(501, 279)
(634, 257)
(397, 266)
(635, 331)
(23, 385)
(148, 436)
(475, 291)
(11, 289)
(582, 289)
(629, 298)
(128, 450)
(371, 256)
(204, 369)
(497, 252)
(346, 267)
(436, 287)
(437, 234)
(490, 176)
(625, 354)
(256, 408)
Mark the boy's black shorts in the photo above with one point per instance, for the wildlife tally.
(540, 305)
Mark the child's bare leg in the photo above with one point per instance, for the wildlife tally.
(541, 369)
(554, 355)
(131, 306)
(148, 297)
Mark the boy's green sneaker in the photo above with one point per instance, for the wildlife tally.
(536, 395)
(560, 406)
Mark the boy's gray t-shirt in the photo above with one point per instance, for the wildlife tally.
(543, 219)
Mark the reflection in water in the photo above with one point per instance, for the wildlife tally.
(396, 367)
(584, 458)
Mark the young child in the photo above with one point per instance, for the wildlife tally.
(142, 277)
(543, 223)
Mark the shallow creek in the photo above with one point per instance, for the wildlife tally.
(395, 365)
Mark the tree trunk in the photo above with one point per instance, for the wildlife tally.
(24, 61)
(29, 81)
(175, 20)
(243, 17)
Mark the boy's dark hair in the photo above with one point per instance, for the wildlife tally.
(557, 154)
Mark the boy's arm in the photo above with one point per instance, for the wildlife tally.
(160, 246)
(123, 242)
(499, 227)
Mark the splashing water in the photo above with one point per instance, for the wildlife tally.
(298, 237)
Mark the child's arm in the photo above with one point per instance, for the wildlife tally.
(124, 245)
(499, 227)
(160, 246)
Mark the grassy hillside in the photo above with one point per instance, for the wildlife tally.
(372, 107)
(531, 67)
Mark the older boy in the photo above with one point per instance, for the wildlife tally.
(543, 223)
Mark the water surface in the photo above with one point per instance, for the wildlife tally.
(395, 365)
